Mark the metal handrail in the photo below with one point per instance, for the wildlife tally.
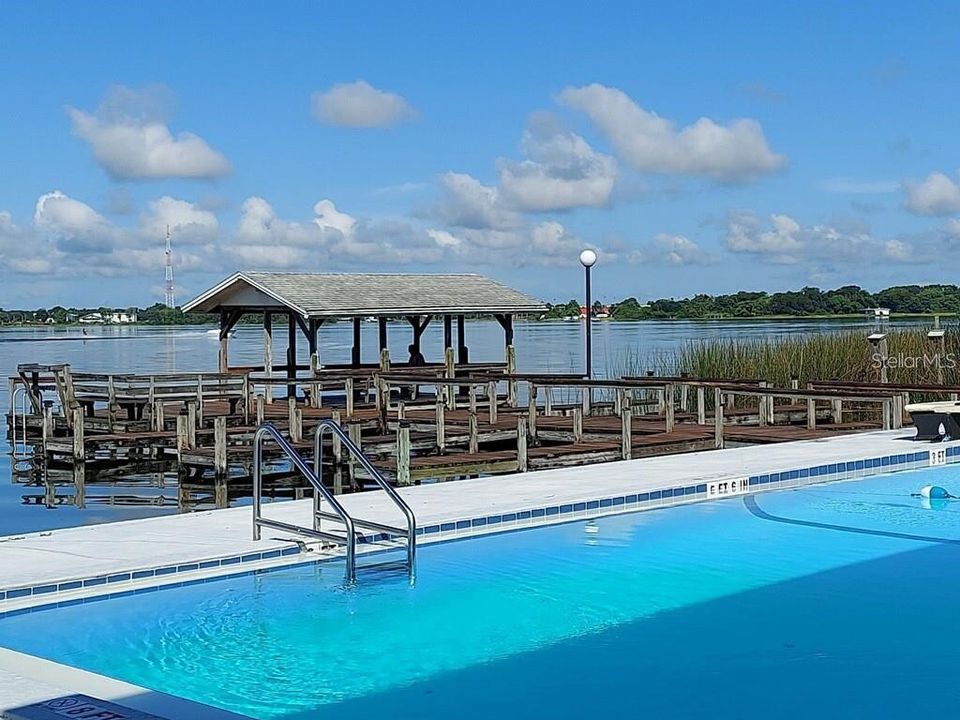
(410, 532)
(350, 539)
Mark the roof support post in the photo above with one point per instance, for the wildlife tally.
(506, 322)
(419, 325)
(268, 353)
(313, 327)
(355, 356)
(228, 319)
(291, 354)
(384, 349)
(463, 354)
(447, 331)
(224, 362)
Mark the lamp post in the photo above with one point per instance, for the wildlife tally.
(588, 258)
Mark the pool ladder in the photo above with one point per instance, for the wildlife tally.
(321, 493)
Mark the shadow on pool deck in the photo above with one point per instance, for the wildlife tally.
(869, 640)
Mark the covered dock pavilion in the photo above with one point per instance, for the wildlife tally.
(308, 300)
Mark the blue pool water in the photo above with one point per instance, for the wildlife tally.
(832, 601)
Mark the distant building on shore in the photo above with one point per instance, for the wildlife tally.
(110, 317)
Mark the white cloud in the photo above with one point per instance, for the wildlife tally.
(936, 194)
(735, 152)
(469, 203)
(72, 224)
(562, 170)
(785, 241)
(131, 142)
(360, 105)
(671, 250)
(259, 225)
(329, 218)
(188, 223)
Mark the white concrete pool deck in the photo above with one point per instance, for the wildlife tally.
(81, 552)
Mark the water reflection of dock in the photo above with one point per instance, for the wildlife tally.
(185, 439)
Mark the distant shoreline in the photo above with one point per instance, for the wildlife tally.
(726, 318)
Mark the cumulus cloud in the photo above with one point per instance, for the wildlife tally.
(937, 194)
(360, 105)
(561, 171)
(670, 249)
(73, 224)
(188, 223)
(131, 140)
(785, 241)
(469, 203)
(735, 152)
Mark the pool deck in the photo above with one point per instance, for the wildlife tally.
(74, 564)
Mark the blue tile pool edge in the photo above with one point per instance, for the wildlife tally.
(463, 528)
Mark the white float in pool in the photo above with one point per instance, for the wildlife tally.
(934, 492)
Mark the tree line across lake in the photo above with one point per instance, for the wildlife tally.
(810, 301)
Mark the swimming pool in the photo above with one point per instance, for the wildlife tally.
(828, 599)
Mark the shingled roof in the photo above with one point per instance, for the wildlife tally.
(329, 295)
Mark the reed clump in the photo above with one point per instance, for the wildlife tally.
(912, 358)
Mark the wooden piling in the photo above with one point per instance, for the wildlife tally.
(79, 454)
(158, 420)
(837, 411)
(355, 431)
(492, 401)
(474, 437)
(47, 425)
(670, 412)
(183, 434)
(684, 397)
(192, 428)
(701, 405)
(441, 420)
(626, 428)
(403, 453)
(337, 457)
(811, 414)
(762, 406)
(220, 446)
(259, 405)
(348, 389)
(577, 425)
(511, 353)
(717, 418)
(522, 462)
(295, 419)
(548, 401)
(532, 413)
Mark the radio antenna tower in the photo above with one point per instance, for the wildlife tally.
(168, 298)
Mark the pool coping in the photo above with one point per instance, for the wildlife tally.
(49, 593)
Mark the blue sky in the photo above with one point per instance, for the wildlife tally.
(699, 147)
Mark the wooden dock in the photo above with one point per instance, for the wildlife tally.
(416, 425)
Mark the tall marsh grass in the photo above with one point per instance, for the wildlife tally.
(913, 358)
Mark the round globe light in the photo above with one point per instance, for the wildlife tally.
(588, 258)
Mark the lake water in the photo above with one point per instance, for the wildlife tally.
(541, 347)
